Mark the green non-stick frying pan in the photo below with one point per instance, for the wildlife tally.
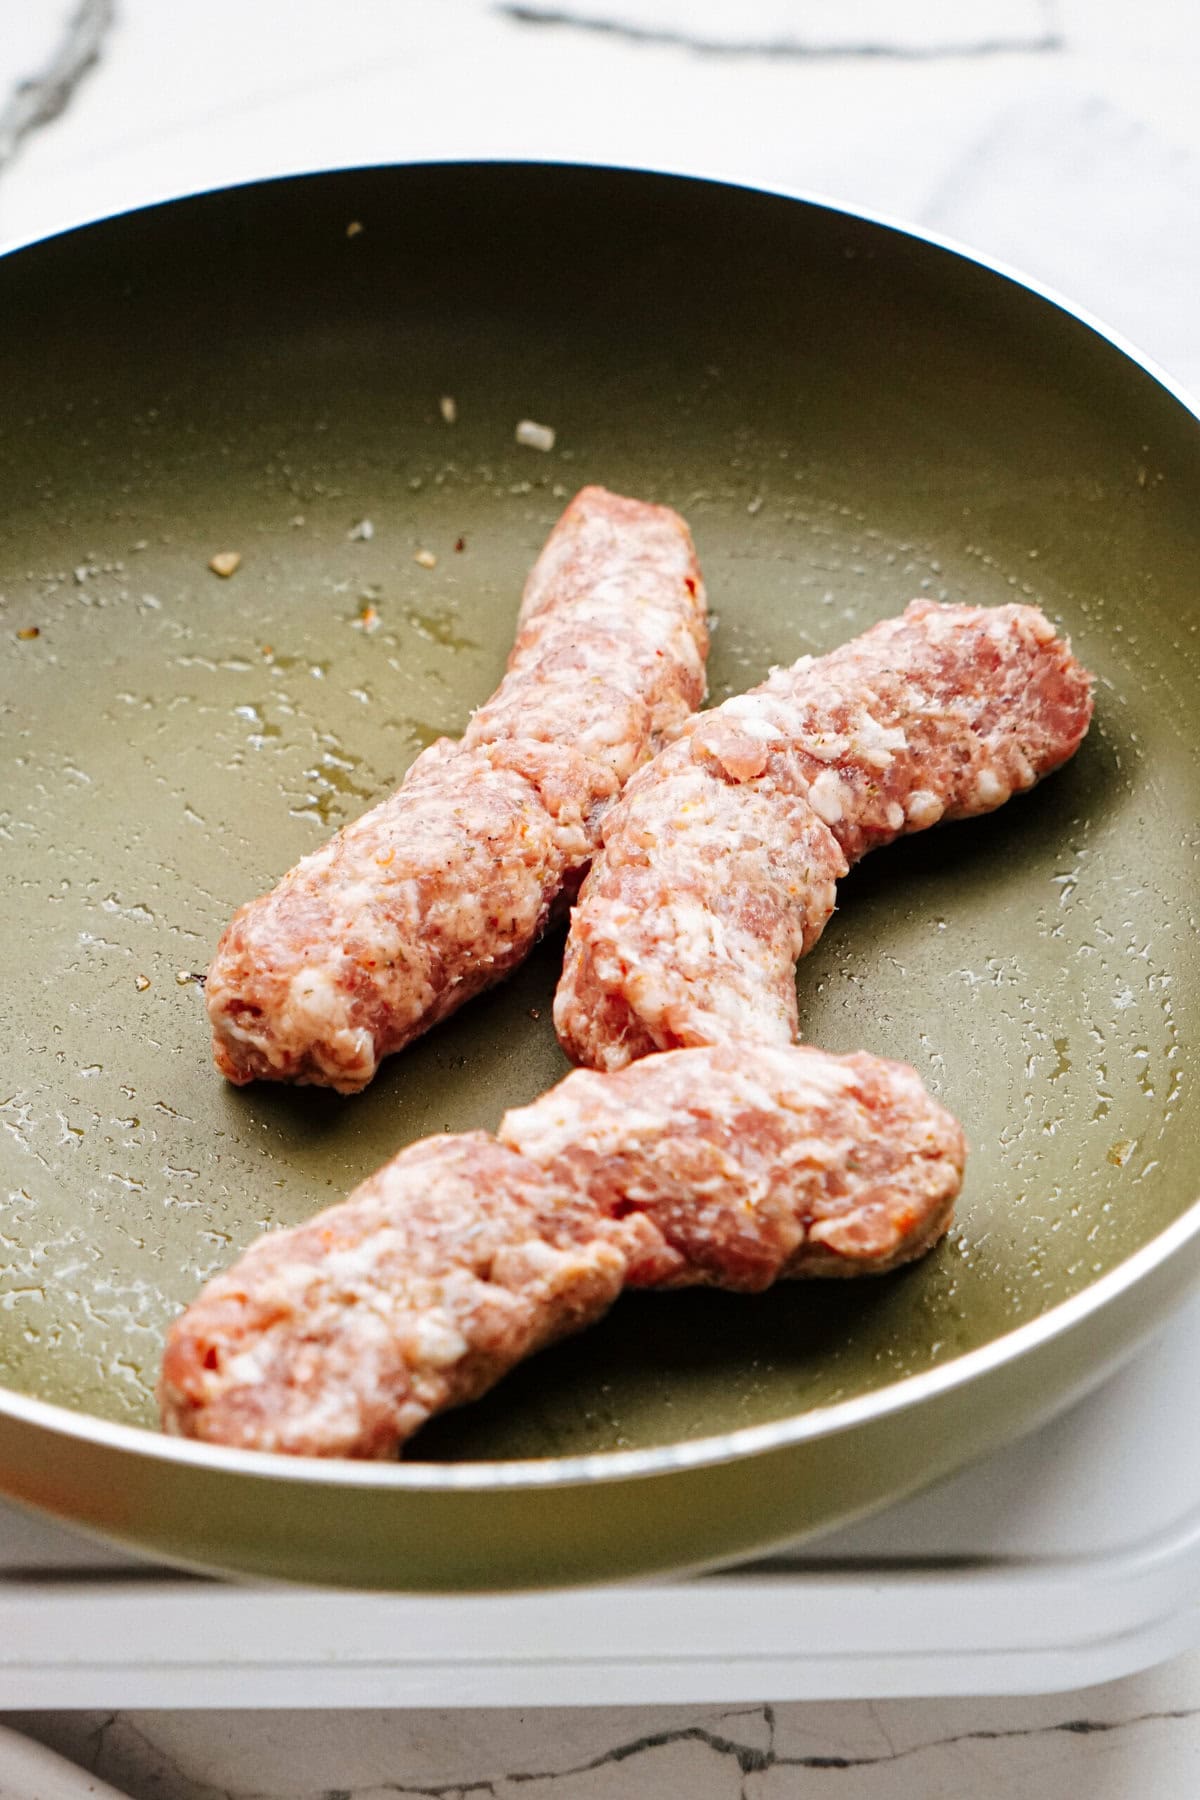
(847, 416)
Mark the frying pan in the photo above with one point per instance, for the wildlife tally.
(848, 415)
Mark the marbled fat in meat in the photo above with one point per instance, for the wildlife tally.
(719, 864)
(445, 887)
(723, 1166)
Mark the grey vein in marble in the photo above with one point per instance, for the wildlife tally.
(720, 41)
(42, 97)
(146, 1768)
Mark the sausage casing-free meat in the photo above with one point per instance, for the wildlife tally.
(720, 862)
(445, 887)
(721, 1166)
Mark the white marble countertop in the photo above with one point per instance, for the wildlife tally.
(1062, 136)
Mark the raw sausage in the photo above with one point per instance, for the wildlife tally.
(465, 1254)
(720, 862)
(445, 887)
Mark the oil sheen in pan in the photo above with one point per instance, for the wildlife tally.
(177, 739)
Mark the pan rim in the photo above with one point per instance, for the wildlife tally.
(777, 1435)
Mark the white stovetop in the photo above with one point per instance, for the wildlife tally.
(1060, 135)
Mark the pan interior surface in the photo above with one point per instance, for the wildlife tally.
(847, 418)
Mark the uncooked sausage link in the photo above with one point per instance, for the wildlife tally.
(465, 1254)
(445, 887)
(720, 862)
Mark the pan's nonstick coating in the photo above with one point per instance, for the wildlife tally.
(847, 418)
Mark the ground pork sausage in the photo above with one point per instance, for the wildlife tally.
(445, 887)
(465, 1254)
(719, 864)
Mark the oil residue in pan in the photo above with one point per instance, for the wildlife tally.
(231, 725)
(174, 740)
